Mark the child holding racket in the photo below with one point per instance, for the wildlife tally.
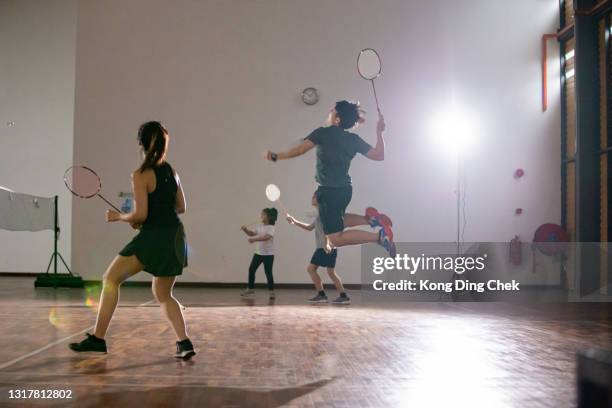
(336, 148)
(159, 247)
(263, 235)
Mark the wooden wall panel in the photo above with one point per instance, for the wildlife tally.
(568, 8)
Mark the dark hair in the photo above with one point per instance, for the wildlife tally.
(153, 137)
(272, 215)
(349, 113)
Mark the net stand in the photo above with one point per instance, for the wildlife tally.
(55, 279)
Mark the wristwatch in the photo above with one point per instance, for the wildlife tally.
(274, 157)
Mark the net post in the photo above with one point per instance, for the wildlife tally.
(56, 279)
(55, 234)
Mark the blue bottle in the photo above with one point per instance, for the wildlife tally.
(126, 205)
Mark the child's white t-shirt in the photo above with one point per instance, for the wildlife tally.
(265, 247)
(320, 237)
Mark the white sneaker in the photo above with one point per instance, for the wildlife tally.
(248, 293)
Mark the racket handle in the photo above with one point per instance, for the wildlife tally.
(109, 203)
(375, 96)
(282, 206)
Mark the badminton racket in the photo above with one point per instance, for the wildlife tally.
(83, 182)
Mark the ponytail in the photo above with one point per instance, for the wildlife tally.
(153, 137)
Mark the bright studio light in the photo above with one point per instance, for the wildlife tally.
(454, 129)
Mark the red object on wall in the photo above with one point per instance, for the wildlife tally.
(518, 211)
(515, 251)
(550, 239)
(519, 173)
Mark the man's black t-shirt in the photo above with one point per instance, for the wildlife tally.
(335, 149)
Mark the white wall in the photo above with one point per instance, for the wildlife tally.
(37, 76)
(225, 77)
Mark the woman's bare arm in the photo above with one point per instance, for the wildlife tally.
(140, 212)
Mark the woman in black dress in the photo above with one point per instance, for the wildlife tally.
(159, 248)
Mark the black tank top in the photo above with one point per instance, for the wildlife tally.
(162, 201)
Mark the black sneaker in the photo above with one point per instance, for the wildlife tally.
(184, 349)
(91, 344)
(342, 300)
(318, 299)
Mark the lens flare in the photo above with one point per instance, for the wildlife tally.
(92, 293)
(55, 319)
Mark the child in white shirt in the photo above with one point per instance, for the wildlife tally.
(263, 235)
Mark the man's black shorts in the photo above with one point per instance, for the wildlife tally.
(332, 203)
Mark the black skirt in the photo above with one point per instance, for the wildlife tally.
(162, 250)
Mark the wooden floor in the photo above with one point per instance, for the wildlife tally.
(290, 353)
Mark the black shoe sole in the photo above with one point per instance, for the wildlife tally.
(94, 352)
(187, 355)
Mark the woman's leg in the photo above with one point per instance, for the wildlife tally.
(118, 271)
(255, 262)
(336, 279)
(316, 279)
(268, 262)
(162, 290)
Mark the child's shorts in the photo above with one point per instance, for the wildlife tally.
(322, 258)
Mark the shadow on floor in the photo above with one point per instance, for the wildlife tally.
(192, 395)
(90, 365)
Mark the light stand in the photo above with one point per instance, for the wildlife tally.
(455, 129)
(458, 246)
(459, 173)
